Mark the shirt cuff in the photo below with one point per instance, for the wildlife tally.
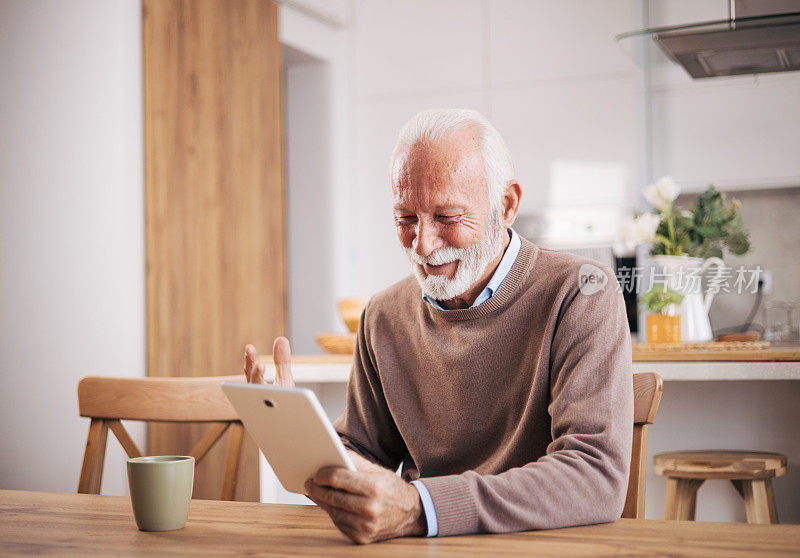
(427, 508)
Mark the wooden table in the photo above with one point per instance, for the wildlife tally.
(83, 524)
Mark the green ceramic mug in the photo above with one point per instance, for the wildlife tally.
(161, 489)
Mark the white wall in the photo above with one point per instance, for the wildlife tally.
(547, 74)
(309, 200)
(71, 228)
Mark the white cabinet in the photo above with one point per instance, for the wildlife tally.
(738, 133)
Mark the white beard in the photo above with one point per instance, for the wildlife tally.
(472, 262)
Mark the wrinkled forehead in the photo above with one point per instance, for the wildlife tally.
(452, 164)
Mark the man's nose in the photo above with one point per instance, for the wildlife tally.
(427, 240)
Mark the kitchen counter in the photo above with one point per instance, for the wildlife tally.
(774, 363)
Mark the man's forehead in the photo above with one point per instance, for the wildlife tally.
(452, 168)
(459, 149)
(437, 198)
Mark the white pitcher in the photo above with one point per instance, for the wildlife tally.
(684, 274)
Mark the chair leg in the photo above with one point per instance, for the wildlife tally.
(681, 498)
(759, 501)
(232, 460)
(93, 458)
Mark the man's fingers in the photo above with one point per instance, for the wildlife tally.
(337, 514)
(250, 358)
(350, 524)
(258, 374)
(282, 356)
(359, 505)
(353, 482)
(254, 370)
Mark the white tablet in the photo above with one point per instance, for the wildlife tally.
(291, 428)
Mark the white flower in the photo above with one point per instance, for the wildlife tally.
(662, 192)
(646, 225)
(636, 231)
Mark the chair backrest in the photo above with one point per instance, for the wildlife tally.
(647, 388)
(108, 400)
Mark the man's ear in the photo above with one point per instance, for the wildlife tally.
(511, 199)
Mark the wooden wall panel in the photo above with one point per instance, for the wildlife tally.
(214, 200)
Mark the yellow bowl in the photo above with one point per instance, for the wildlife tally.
(337, 343)
(350, 310)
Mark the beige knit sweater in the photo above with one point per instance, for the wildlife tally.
(516, 414)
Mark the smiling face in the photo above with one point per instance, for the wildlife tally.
(443, 214)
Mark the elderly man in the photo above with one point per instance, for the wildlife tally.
(503, 388)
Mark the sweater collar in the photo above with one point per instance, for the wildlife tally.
(506, 292)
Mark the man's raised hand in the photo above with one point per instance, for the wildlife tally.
(281, 356)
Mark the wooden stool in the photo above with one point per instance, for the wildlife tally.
(750, 473)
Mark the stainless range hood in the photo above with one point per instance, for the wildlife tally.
(759, 36)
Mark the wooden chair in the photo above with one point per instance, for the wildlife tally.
(647, 388)
(108, 400)
(750, 473)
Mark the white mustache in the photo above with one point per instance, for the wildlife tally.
(441, 256)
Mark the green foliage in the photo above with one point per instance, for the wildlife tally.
(658, 297)
(711, 226)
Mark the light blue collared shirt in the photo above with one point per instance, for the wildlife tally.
(500, 273)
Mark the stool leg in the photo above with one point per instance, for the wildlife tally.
(681, 498)
(759, 501)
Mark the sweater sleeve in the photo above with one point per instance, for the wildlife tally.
(366, 425)
(582, 479)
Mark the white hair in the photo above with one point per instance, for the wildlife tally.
(431, 126)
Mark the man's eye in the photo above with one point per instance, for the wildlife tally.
(406, 218)
(449, 218)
